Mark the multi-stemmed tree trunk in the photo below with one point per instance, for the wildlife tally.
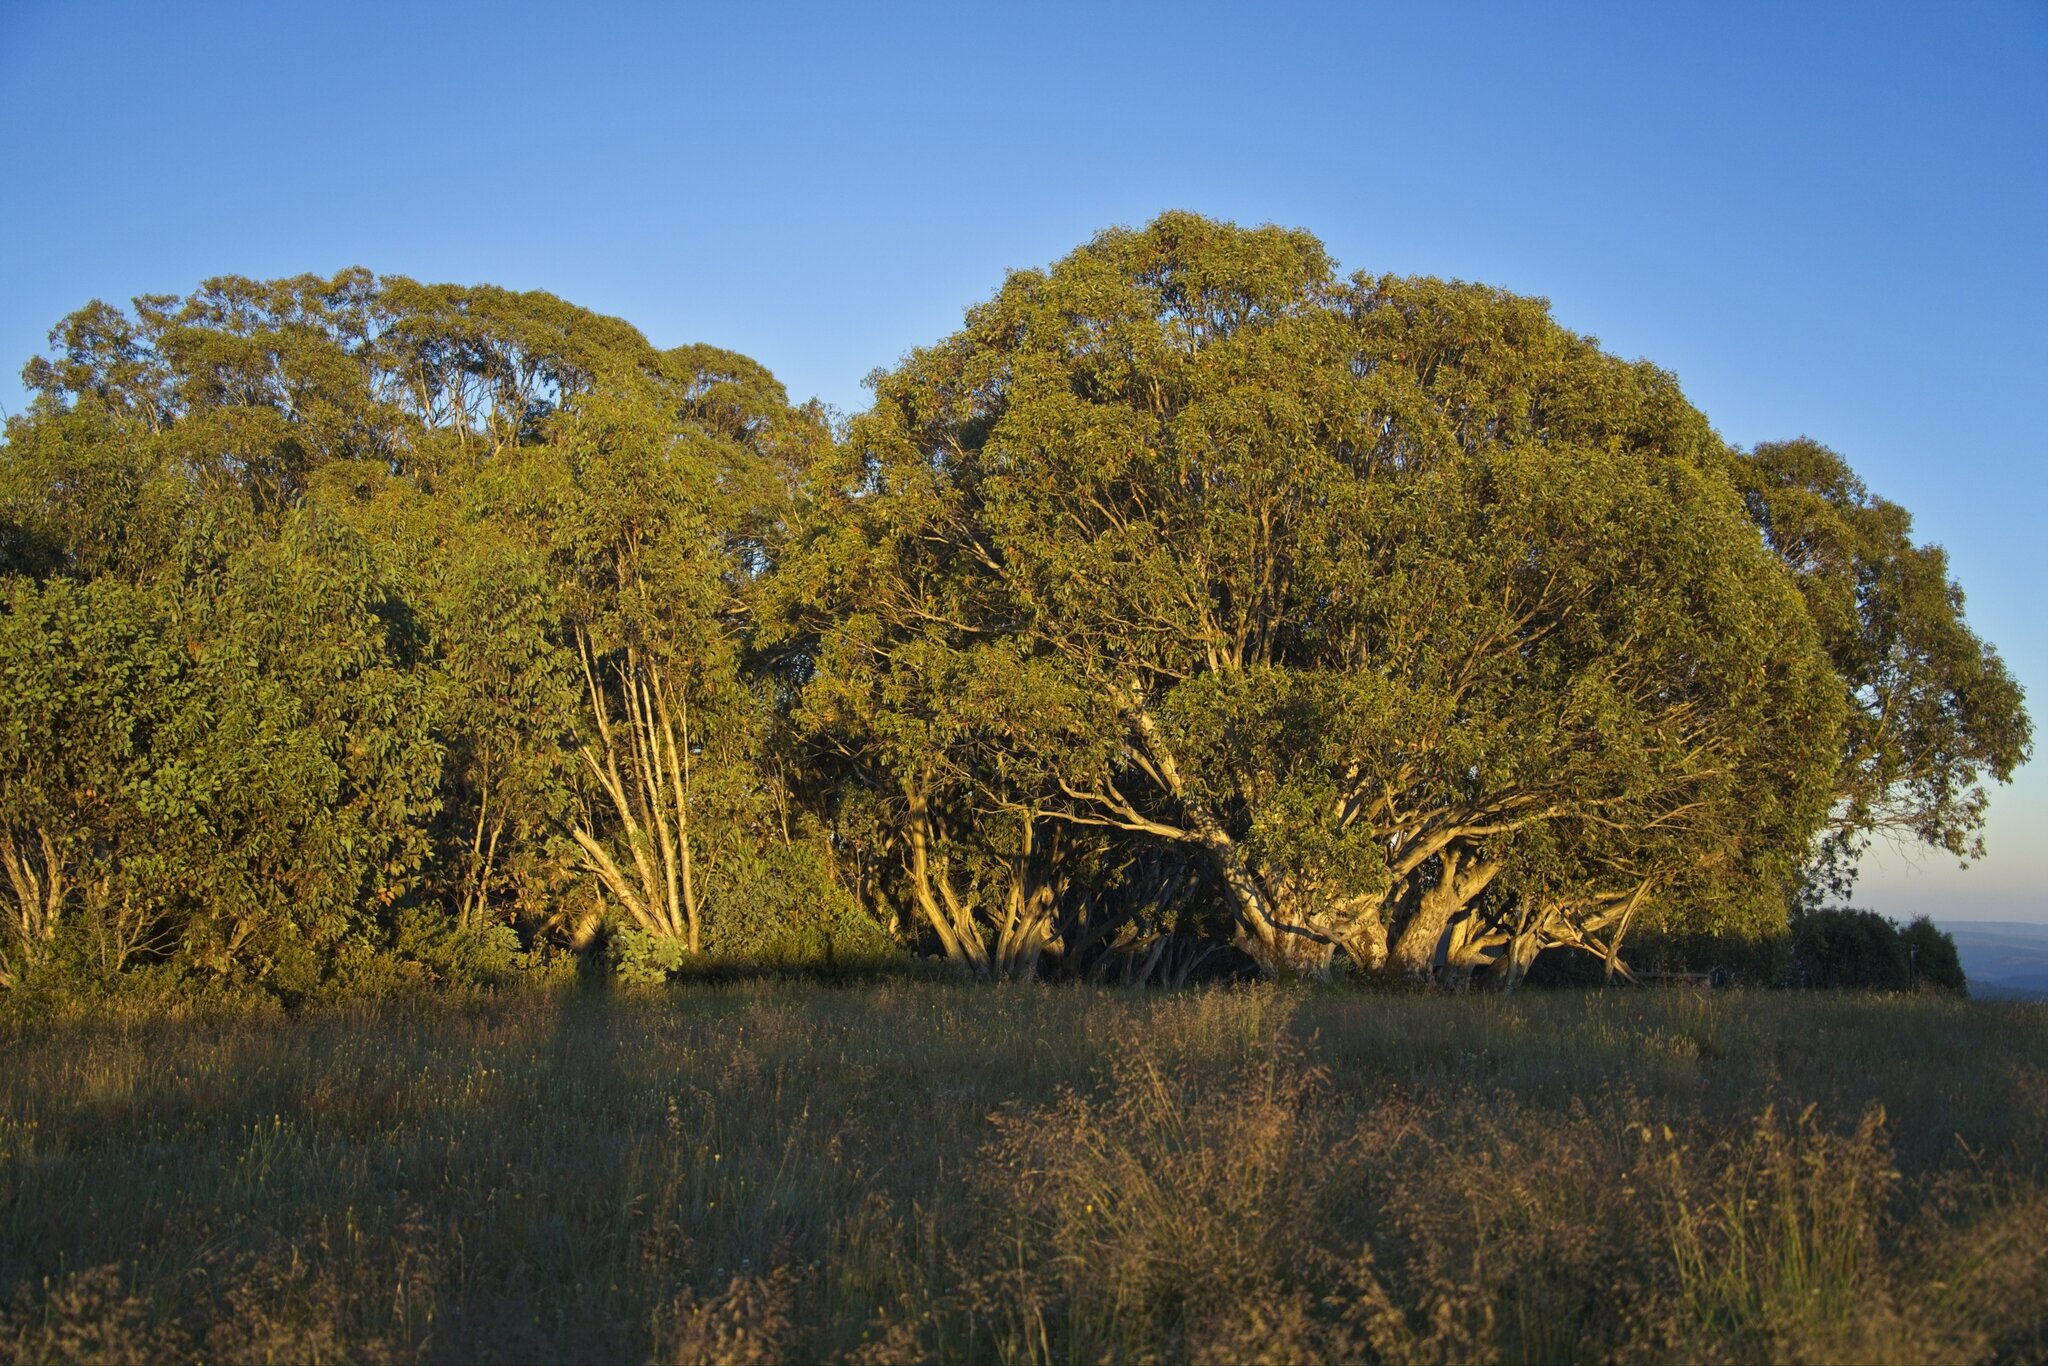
(45, 892)
(995, 927)
(641, 766)
(1460, 877)
(36, 891)
(475, 891)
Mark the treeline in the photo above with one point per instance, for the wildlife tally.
(1819, 948)
(1192, 610)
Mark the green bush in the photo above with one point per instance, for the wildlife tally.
(1840, 946)
(1933, 956)
(639, 957)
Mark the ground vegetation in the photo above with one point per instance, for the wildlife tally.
(907, 1171)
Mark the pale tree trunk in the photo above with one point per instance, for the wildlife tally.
(1281, 941)
(1028, 910)
(990, 944)
(643, 770)
(1279, 948)
(1515, 960)
(117, 928)
(1169, 960)
(37, 889)
(483, 858)
(1462, 879)
(1612, 958)
(1288, 930)
(1572, 924)
(1366, 940)
(959, 936)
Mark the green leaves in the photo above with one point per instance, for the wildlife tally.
(1189, 588)
(1359, 575)
(1933, 712)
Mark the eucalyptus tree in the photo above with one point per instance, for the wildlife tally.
(234, 769)
(547, 529)
(1933, 710)
(588, 515)
(499, 684)
(663, 513)
(1389, 601)
(310, 774)
(253, 385)
(1190, 592)
(85, 498)
(916, 705)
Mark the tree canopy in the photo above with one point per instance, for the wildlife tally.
(1194, 608)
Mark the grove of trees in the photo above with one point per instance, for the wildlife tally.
(1194, 609)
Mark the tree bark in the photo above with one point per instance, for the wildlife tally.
(957, 933)
(645, 780)
(38, 889)
(1366, 941)
(1463, 879)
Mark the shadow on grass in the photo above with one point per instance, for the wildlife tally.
(759, 1165)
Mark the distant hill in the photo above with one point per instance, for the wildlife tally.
(2005, 959)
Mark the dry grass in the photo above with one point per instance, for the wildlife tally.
(776, 1172)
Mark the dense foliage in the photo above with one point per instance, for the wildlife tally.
(1839, 946)
(1194, 609)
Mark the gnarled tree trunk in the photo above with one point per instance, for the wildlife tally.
(1461, 877)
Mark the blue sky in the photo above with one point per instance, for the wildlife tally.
(1829, 220)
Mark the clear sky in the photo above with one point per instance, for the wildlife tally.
(1829, 220)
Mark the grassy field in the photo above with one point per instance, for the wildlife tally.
(777, 1171)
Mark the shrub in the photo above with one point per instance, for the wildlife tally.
(1932, 956)
(1845, 947)
(638, 956)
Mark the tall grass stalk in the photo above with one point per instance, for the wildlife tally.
(758, 1172)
